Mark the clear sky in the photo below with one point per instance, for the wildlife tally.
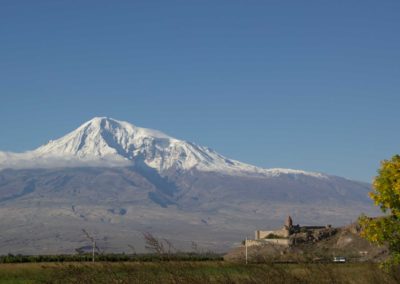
(312, 85)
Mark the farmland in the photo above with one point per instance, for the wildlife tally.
(192, 272)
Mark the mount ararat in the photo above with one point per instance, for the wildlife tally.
(118, 180)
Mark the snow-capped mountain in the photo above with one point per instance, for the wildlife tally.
(108, 142)
(118, 180)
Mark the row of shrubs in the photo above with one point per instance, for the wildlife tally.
(10, 258)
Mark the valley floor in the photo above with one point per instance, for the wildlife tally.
(192, 272)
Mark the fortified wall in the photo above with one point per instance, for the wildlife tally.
(279, 242)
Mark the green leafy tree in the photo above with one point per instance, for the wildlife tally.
(386, 195)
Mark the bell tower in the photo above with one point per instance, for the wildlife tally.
(289, 222)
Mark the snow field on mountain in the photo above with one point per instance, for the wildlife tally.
(108, 142)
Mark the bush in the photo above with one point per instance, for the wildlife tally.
(273, 236)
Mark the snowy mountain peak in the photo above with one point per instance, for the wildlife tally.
(104, 141)
(101, 137)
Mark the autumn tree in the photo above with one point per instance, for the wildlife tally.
(386, 195)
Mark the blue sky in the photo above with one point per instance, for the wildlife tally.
(312, 85)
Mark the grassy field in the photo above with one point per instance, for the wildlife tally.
(191, 272)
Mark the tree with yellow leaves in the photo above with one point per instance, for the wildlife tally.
(386, 195)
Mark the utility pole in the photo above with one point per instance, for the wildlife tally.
(245, 245)
(94, 245)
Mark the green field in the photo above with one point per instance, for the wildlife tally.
(191, 272)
